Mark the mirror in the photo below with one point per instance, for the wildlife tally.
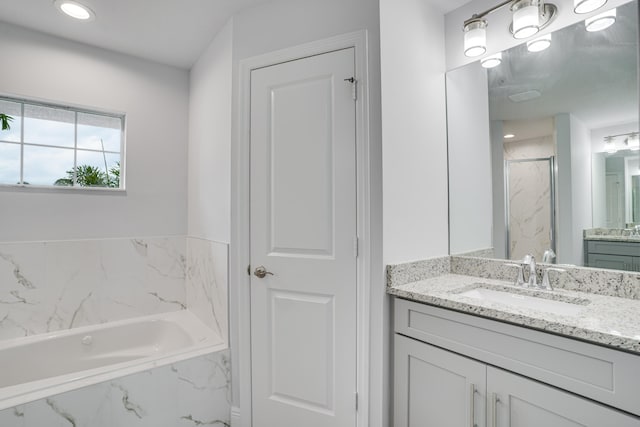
(543, 151)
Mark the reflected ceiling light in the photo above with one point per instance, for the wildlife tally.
(509, 136)
(539, 44)
(75, 10)
(475, 37)
(491, 60)
(601, 21)
(586, 6)
(633, 142)
(528, 17)
(610, 145)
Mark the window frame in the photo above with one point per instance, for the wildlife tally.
(76, 109)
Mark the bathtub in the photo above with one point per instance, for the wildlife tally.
(39, 366)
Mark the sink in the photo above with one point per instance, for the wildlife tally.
(526, 298)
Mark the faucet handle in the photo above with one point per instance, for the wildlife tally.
(546, 284)
(520, 277)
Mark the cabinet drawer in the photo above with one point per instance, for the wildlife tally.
(613, 248)
(606, 375)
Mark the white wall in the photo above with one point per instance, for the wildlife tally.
(580, 186)
(155, 99)
(599, 189)
(414, 131)
(564, 205)
(470, 186)
(285, 23)
(497, 179)
(498, 36)
(210, 140)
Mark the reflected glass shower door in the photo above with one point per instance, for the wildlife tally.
(530, 204)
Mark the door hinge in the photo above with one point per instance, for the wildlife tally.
(354, 87)
(356, 247)
(249, 270)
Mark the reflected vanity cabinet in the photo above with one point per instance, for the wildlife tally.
(457, 370)
(612, 255)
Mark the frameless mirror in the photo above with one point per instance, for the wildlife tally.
(543, 150)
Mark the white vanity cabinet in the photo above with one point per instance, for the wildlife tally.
(454, 370)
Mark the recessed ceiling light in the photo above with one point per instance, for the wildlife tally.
(75, 10)
(509, 136)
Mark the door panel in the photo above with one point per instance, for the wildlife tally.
(303, 225)
(433, 387)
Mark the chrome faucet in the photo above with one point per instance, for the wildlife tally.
(533, 275)
(549, 256)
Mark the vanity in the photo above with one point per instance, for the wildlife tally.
(465, 356)
(617, 249)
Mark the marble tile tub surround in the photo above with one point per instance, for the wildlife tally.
(54, 285)
(194, 392)
(590, 280)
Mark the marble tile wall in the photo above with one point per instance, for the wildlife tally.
(206, 283)
(49, 286)
(193, 392)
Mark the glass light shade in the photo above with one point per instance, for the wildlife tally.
(586, 6)
(526, 19)
(610, 146)
(75, 10)
(601, 21)
(633, 142)
(475, 38)
(539, 44)
(491, 60)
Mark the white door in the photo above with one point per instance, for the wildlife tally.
(303, 232)
(436, 388)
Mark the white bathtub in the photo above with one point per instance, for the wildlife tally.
(42, 365)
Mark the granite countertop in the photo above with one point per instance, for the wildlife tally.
(610, 238)
(604, 320)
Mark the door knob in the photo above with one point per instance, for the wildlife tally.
(261, 272)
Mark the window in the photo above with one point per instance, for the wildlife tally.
(60, 146)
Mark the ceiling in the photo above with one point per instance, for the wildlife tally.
(173, 32)
(593, 76)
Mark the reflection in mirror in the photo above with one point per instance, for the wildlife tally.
(543, 150)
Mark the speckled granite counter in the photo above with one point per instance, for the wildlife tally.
(612, 235)
(606, 320)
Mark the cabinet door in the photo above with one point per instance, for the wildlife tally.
(615, 262)
(436, 388)
(516, 401)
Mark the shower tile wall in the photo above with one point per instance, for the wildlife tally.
(529, 203)
(49, 286)
(194, 392)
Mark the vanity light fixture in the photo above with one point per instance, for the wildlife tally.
(491, 60)
(528, 18)
(633, 141)
(601, 21)
(475, 37)
(75, 10)
(610, 145)
(539, 44)
(587, 6)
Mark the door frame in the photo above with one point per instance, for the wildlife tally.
(239, 253)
